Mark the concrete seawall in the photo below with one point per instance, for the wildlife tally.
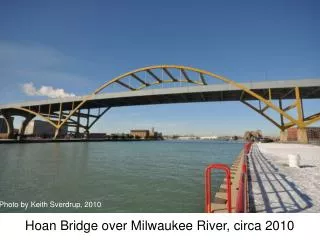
(220, 199)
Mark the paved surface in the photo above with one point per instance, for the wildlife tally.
(271, 188)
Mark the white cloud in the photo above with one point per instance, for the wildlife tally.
(43, 66)
(48, 91)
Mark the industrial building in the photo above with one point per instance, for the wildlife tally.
(138, 133)
(97, 135)
(155, 135)
(145, 134)
(38, 128)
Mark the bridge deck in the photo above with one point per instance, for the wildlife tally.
(310, 89)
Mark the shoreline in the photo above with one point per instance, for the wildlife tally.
(26, 141)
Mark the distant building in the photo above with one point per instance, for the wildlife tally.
(155, 135)
(187, 138)
(145, 134)
(97, 135)
(137, 133)
(252, 135)
(209, 138)
(38, 128)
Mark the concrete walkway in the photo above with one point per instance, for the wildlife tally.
(271, 188)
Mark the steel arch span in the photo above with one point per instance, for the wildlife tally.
(202, 73)
(153, 76)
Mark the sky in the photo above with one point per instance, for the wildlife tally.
(72, 47)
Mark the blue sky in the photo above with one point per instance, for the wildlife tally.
(78, 45)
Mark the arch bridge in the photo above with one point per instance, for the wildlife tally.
(164, 84)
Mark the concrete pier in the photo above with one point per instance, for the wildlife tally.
(302, 135)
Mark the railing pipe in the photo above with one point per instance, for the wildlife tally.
(226, 169)
(241, 202)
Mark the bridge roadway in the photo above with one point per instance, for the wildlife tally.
(309, 89)
(69, 111)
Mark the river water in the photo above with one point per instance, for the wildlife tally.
(152, 176)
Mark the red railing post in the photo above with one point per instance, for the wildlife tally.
(247, 147)
(241, 204)
(245, 183)
(226, 169)
(241, 201)
(241, 197)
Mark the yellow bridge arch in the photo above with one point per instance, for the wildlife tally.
(169, 77)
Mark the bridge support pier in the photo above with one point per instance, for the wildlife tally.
(57, 133)
(77, 134)
(86, 134)
(283, 135)
(25, 123)
(9, 122)
(302, 135)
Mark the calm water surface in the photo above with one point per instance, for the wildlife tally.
(157, 176)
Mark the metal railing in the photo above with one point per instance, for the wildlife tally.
(242, 195)
(241, 202)
(208, 193)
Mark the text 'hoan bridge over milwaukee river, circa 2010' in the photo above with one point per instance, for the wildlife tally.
(145, 86)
